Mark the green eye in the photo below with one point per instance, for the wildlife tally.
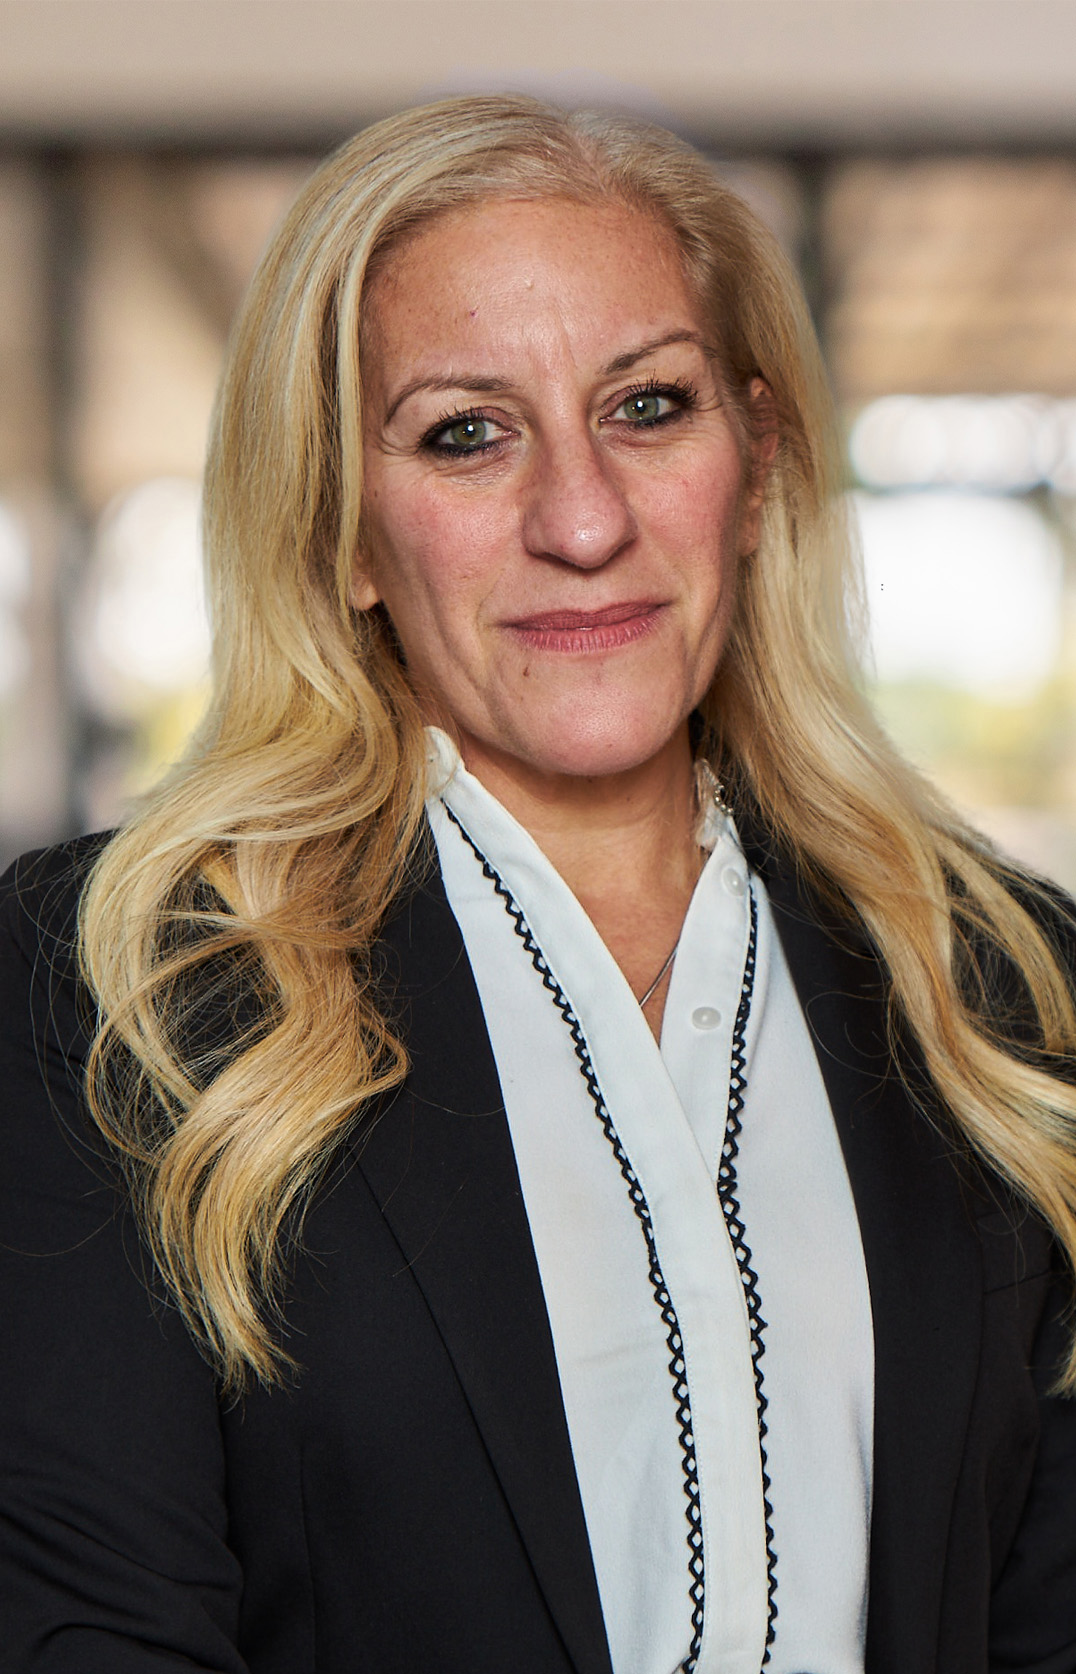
(644, 409)
(466, 433)
(647, 407)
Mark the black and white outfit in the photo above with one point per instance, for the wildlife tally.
(633, 1186)
(616, 1358)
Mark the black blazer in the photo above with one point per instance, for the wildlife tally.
(410, 1503)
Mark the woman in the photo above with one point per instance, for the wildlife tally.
(580, 1170)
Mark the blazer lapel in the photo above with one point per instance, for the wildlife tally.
(439, 1160)
(923, 1268)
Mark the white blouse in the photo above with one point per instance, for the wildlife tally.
(699, 1254)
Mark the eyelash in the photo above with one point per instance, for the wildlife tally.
(675, 389)
(446, 422)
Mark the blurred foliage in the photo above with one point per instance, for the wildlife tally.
(986, 752)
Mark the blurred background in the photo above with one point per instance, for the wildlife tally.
(917, 158)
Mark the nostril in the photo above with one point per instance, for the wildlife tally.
(577, 512)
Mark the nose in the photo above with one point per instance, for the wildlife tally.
(576, 509)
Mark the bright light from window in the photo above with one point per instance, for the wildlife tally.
(146, 631)
(1006, 443)
(963, 589)
(14, 587)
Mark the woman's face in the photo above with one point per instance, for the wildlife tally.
(554, 496)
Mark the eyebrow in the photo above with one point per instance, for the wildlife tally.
(480, 385)
(624, 362)
(441, 386)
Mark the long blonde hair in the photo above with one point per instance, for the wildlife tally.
(227, 931)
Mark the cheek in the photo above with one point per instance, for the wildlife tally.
(696, 513)
(434, 563)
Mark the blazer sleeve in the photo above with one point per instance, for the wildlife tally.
(1033, 1601)
(113, 1522)
(1033, 1605)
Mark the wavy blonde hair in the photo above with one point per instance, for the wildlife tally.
(227, 931)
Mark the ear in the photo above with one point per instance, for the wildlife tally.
(761, 451)
(363, 592)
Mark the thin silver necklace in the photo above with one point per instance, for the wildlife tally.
(656, 984)
(708, 788)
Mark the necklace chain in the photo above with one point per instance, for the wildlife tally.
(656, 984)
(708, 788)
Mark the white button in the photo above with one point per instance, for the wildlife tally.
(732, 880)
(705, 1017)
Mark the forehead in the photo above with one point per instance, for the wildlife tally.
(521, 276)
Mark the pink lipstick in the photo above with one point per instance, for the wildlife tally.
(588, 630)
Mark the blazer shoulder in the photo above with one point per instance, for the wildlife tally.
(45, 1009)
(112, 1477)
(40, 894)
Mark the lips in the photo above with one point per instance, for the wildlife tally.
(607, 629)
(569, 621)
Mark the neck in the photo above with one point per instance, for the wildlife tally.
(638, 825)
(624, 844)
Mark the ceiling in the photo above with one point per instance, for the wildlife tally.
(743, 73)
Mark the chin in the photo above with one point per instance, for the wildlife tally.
(598, 747)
